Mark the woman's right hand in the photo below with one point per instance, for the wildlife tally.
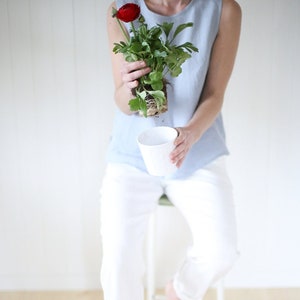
(126, 79)
(132, 71)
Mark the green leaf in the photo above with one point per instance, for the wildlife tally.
(130, 57)
(134, 104)
(141, 19)
(142, 95)
(157, 85)
(155, 76)
(146, 46)
(143, 108)
(113, 12)
(176, 71)
(120, 47)
(139, 103)
(143, 30)
(189, 47)
(154, 33)
(158, 53)
(181, 27)
(167, 27)
(135, 47)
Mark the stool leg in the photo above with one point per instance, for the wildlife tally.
(151, 258)
(220, 290)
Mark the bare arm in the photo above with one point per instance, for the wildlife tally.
(220, 68)
(125, 74)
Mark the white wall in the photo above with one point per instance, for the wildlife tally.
(55, 118)
(263, 125)
(55, 92)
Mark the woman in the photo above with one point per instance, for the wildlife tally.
(200, 188)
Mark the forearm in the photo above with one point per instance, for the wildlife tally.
(204, 116)
(122, 96)
(221, 65)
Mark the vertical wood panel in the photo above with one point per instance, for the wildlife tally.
(50, 233)
(63, 165)
(24, 118)
(9, 179)
(246, 115)
(284, 166)
(88, 88)
(262, 113)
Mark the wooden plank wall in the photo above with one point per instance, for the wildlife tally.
(54, 68)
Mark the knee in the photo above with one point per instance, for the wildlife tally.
(214, 262)
(198, 273)
(222, 261)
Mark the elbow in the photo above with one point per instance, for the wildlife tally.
(123, 106)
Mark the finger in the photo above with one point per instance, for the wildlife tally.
(129, 77)
(129, 67)
(178, 153)
(178, 159)
(180, 137)
(134, 70)
(132, 84)
(179, 163)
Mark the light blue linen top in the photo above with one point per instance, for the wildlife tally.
(183, 92)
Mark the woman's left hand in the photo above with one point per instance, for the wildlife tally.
(183, 144)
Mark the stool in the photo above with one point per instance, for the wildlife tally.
(151, 289)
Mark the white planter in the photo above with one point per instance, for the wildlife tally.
(156, 144)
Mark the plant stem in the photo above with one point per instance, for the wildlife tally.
(133, 29)
(124, 32)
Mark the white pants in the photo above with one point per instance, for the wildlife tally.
(205, 200)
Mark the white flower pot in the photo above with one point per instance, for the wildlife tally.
(156, 144)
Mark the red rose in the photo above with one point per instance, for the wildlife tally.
(128, 12)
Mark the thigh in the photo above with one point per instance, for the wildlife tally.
(205, 200)
(128, 196)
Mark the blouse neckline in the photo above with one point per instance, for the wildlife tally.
(182, 12)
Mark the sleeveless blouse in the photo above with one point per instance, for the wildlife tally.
(183, 92)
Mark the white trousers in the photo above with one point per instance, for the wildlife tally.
(129, 196)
